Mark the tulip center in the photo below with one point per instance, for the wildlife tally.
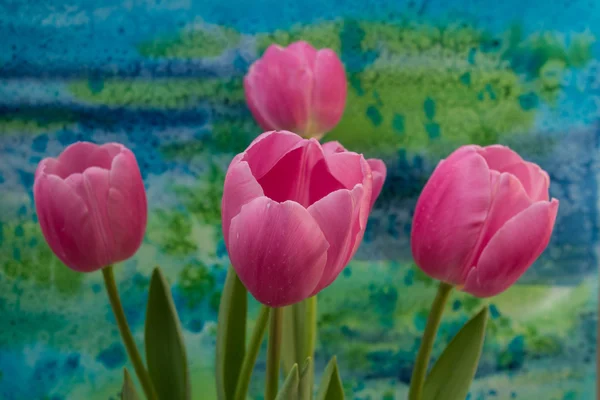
(302, 176)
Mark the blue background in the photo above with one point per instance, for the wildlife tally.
(164, 78)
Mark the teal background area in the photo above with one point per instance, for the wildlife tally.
(164, 78)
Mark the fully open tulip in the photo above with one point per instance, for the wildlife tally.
(298, 89)
(482, 219)
(91, 205)
(294, 212)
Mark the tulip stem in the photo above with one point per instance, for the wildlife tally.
(310, 326)
(260, 327)
(433, 323)
(274, 353)
(128, 340)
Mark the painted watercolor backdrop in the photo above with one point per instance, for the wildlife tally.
(164, 77)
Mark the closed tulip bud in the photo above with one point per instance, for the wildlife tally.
(298, 89)
(482, 219)
(294, 212)
(91, 205)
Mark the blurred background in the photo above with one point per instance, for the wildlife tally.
(424, 76)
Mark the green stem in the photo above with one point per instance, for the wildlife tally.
(433, 323)
(274, 353)
(241, 389)
(128, 340)
(310, 326)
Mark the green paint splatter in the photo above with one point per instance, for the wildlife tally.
(171, 230)
(34, 264)
(429, 108)
(167, 93)
(324, 35)
(204, 200)
(374, 115)
(433, 130)
(195, 282)
(215, 301)
(36, 121)
(528, 101)
(398, 123)
(466, 78)
(195, 42)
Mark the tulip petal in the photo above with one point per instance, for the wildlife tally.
(93, 188)
(322, 182)
(450, 214)
(66, 223)
(508, 199)
(278, 251)
(539, 184)
(252, 93)
(336, 215)
(279, 87)
(360, 223)
(79, 156)
(49, 166)
(126, 205)
(348, 168)
(267, 149)
(304, 52)
(329, 93)
(75, 158)
(512, 250)
(379, 171)
(302, 175)
(333, 147)
(535, 180)
(290, 178)
(239, 188)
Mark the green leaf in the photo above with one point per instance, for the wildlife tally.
(165, 349)
(231, 335)
(307, 376)
(331, 385)
(452, 374)
(289, 390)
(128, 392)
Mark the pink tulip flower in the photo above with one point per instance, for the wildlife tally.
(482, 219)
(91, 205)
(294, 212)
(297, 89)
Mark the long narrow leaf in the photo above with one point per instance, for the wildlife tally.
(289, 390)
(128, 392)
(331, 385)
(307, 376)
(231, 335)
(165, 349)
(452, 374)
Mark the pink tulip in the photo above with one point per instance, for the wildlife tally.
(294, 212)
(298, 89)
(91, 205)
(482, 219)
